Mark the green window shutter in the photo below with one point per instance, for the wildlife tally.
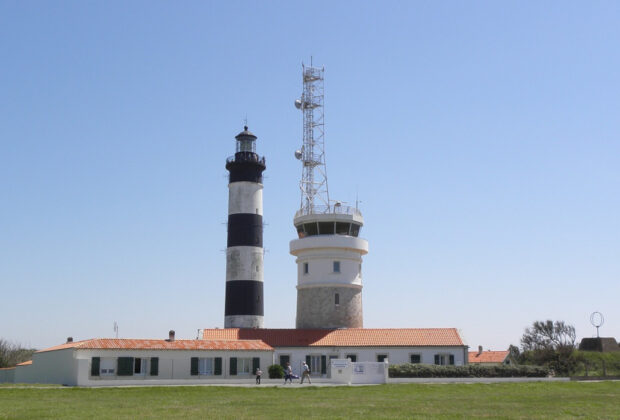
(217, 369)
(125, 366)
(233, 365)
(323, 365)
(154, 366)
(436, 359)
(308, 361)
(451, 359)
(94, 366)
(255, 364)
(194, 366)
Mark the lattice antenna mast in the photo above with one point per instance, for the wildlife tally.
(313, 185)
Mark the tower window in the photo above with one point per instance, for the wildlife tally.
(246, 145)
(306, 268)
(336, 266)
(337, 298)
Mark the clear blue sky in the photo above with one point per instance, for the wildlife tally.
(483, 139)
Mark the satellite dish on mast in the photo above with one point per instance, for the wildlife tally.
(298, 103)
(298, 154)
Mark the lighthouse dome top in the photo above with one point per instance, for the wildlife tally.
(245, 133)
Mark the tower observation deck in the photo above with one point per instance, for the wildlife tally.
(328, 249)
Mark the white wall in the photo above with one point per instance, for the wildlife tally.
(345, 371)
(244, 263)
(7, 375)
(321, 267)
(245, 197)
(174, 366)
(54, 367)
(396, 355)
(73, 367)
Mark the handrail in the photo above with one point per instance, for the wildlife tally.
(245, 157)
(334, 209)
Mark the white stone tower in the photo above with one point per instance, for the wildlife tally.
(329, 251)
(244, 252)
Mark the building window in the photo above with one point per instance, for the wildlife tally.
(284, 359)
(337, 299)
(107, 367)
(139, 366)
(415, 358)
(381, 357)
(444, 359)
(244, 366)
(336, 266)
(306, 268)
(205, 366)
(318, 364)
(353, 357)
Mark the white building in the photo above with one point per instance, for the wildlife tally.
(441, 346)
(101, 362)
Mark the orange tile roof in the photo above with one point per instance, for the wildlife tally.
(350, 337)
(488, 356)
(26, 363)
(139, 344)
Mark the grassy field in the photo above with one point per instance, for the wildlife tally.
(512, 400)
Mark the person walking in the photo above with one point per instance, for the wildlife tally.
(305, 373)
(258, 375)
(288, 373)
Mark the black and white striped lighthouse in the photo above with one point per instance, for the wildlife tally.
(244, 253)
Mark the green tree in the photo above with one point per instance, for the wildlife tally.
(549, 335)
(12, 354)
(551, 344)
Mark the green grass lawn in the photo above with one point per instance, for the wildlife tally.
(509, 400)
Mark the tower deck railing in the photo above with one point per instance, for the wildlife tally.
(335, 209)
(245, 157)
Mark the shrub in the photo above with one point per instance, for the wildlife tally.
(409, 370)
(562, 362)
(276, 372)
(595, 363)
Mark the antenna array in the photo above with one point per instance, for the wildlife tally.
(313, 185)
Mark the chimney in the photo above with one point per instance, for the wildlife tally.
(69, 339)
(171, 335)
(479, 350)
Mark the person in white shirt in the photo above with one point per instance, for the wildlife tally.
(305, 373)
